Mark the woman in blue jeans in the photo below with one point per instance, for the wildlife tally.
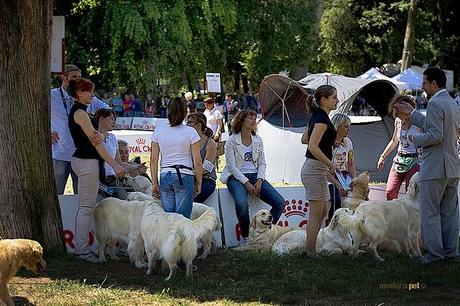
(208, 150)
(181, 169)
(244, 172)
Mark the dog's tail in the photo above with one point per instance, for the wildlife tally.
(208, 222)
(181, 246)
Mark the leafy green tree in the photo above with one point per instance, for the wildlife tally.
(357, 34)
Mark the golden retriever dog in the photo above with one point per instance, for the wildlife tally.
(290, 242)
(172, 237)
(359, 191)
(262, 233)
(140, 184)
(333, 239)
(198, 209)
(207, 240)
(139, 196)
(391, 224)
(16, 253)
(116, 219)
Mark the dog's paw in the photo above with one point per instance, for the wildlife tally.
(149, 271)
(140, 264)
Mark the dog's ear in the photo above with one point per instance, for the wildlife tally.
(352, 184)
(334, 221)
(253, 223)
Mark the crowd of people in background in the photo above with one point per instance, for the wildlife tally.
(183, 157)
(156, 105)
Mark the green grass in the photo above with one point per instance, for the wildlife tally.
(231, 277)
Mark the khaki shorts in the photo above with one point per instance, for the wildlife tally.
(313, 175)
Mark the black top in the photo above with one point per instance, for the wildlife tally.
(329, 136)
(83, 147)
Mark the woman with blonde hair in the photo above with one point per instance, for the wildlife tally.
(208, 150)
(343, 158)
(321, 136)
(406, 162)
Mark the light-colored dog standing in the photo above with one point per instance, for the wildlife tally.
(172, 237)
(385, 223)
(262, 233)
(198, 209)
(16, 253)
(359, 191)
(116, 219)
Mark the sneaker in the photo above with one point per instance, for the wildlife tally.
(90, 257)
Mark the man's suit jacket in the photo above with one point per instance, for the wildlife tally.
(438, 139)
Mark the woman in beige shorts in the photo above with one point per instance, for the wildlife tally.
(320, 136)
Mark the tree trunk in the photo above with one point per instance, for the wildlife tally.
(29, 204)
(317, 13)
(409, 39)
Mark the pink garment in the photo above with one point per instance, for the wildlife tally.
(396, 179)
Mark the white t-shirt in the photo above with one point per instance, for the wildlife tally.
(175, 146)
(212, 116)
(248, 165)
(342, 154)
(111, 145)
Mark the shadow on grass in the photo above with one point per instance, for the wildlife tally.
(244, 277)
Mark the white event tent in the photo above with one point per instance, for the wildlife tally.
(284, 119)
(375, 74)
(410, 78)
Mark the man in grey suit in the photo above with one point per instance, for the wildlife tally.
(440, 169)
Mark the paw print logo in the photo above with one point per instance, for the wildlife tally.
(140, 141)
(296, 208)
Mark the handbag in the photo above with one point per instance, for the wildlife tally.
(403, 164)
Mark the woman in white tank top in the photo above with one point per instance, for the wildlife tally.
(406, 162)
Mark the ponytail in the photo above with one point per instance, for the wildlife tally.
(323, 91)
(311, 104)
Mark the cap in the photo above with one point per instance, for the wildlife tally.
(71, 67)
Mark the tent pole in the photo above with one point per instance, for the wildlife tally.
(284, 105)
(287, 115)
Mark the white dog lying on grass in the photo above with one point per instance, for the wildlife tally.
(333, 239)
(262, 232)
(172, 237)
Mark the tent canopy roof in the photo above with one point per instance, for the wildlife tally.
(277, 91)
(411, 78)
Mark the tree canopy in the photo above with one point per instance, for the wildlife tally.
(139, 44)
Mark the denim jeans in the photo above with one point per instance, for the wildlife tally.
(268, 194)
(62, 169)
(174, 196)
(207, 188)
(336, 202)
